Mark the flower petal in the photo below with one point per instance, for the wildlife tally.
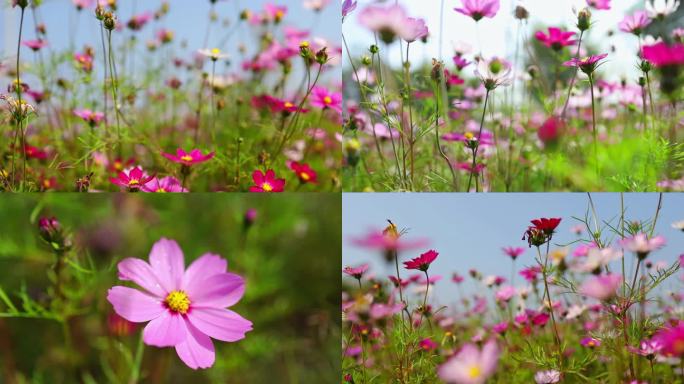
(141, 273)
(166, 259)
(197, 350)
(205, 266)
(221, 324)
(167, 330)
(220, 290)
(134, 305)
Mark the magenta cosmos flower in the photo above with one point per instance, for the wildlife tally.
(188, 158)
(599, 4)
(347, 7)
(663, 55)
(387, 240)
(35, 45)
(587, 64)
(634, 23)
(422, 262)
(556, 39)
(134, 179)
(471, 365)
(266, 182)
(185, 308)
(671, 340)
(356, 272)
(513, 252)
(324, 99)
(477, 9)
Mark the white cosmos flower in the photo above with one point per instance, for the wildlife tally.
(658, 9)
(214, 54)
(494, 72)
(678, 225)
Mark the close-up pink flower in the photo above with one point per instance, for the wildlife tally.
(184, 308)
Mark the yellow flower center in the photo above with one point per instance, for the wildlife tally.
(134, 182)
(304, 44)
(288, 104)
(215, 52)
(279, 15)
(304, 176)
(161, 190)
(178, 301)
(186, 158)
(267, 187)
(469, 136)
(391, 231)
(474, 372)
(327, 100)
(678, 347)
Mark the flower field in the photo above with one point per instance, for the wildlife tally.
(163, 97)
(497, 95)
(592, 297)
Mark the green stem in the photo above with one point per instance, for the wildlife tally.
(593, 123)
(479, 136)
(137, 361)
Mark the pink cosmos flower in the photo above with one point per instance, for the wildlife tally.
(415, 29)
(387, 240)
(601, 287)
(168, 184)
(471, 365)
(35, 45)
(356, 272)
(477, 9)
(266, 182)
(347, 7)
(134, 179)
(185, 307)
(551, 130)
(513, 252)
(188, 158)
(634, 23)
(505, 294)
(599, 4)
(663, 55)
(90, 117)
(422, 262)
(642, 245)
(647, 348)
(80, 4)
(587, 64)
(322, 98)
(671, 339)
(556, 39)
(84, 61)
(390, 22)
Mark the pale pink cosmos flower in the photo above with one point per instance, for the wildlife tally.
(388, 22)
(90, 117)
(347, 7)
(185, 307)
(471, 365)
(477, 9)
(602, 287)
(642, 245)
(634, 23)
(416, 29)
(316, 5)
(547, 377)
(168, 184)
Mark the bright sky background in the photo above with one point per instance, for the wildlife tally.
(187, 19)
(469, 230)
(497, 36)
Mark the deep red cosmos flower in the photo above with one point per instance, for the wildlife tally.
(304, 172)
(266, 182)
(188, 158)
(422, 262)
(546, 225)
(34, 152)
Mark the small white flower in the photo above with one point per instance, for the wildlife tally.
(678, 225)
(494, 72)
(659, 9)
(214, 54)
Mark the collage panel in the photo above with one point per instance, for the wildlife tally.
(512, 288)
(170, 96)
(198, 288)
(513, 96)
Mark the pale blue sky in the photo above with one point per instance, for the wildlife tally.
(187, 19)
(469, 230)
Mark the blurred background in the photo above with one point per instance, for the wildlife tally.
(289, 254)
